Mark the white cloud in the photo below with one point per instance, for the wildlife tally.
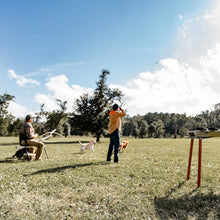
(198, 34)
(53, 68)
(21, 80)
(58, 88)
(188, 83)
(176, 87)
(48, 101)
(17, 110)
(180, 17)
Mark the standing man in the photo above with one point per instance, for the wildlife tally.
(114, 131)
(27, 137)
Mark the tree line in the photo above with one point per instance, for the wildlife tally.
(90, 117)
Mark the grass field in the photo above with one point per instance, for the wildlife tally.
(148, 183)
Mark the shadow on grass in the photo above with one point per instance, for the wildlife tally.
(10, 160)
(46, 142)
(9, 144)
(197, 206)
(49, 142)
(61, 142)
(74, 166)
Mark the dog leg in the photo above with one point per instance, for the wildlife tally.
(120, 150)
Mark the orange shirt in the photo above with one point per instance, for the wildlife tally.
(115, 120)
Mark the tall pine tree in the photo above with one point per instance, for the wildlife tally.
(92, 112)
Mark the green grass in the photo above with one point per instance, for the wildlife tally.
(148, 183)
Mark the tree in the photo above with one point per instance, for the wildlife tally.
(4, 102)
(156, 129)
(127, 127)
(143, 130)
(200, 121)
(40, 119)
(5, 118)
(183, 131)
(134, 131)
(14, 127)
(159, 129)
(66, 129)
(57, 118)
(91, 113)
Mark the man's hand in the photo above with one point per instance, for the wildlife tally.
(34, 136)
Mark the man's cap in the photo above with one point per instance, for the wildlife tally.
(115, 107)
(28, 117)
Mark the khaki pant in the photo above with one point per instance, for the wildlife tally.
(36, 143)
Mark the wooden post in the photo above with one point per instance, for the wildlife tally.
(199, 161)
(190, 157)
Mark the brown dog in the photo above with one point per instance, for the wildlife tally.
(123, 145)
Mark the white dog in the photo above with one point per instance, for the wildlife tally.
(87, 146)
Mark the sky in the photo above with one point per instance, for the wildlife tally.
(163, 55)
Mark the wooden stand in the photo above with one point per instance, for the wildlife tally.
(31, 155)
(199, 160)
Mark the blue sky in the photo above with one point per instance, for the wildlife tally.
(56, 49)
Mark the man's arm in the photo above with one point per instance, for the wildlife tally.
(29, 131)
(122, 112)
